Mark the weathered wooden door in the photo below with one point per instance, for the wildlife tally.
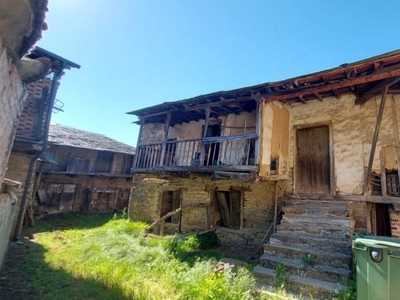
(313, 160)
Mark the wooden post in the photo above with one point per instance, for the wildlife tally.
(136, 158)
(207, 117)
(275, 206)
(258, 131)
(164, 144)
(375, 140)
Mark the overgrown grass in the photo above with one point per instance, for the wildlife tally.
(81, 256)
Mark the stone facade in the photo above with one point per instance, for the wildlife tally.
(256, 213)
(11, 103)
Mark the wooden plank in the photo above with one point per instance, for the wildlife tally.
(258, 132)
(375, 140)
(313, 160)
(393, 71)
(224, 209)
(165, 137)
(235, 209)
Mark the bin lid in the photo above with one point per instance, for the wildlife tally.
(377, 241)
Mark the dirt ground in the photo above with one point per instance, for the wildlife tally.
(14, 285)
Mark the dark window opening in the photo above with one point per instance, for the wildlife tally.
(78, 165)
(128, 164)
(171, 200)
(62, 158)
(381, 219)
(228, 211)
(274, 166)
(392, 183)
(104, 162)
(211, 150)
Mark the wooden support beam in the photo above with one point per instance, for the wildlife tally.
(389, 72)
(302, 99)
(318, 96)
(165, 137)
(375, 140)
(336, 92)
(257, 146)
(376, 89)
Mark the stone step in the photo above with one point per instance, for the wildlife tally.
(310, 256)
(310, 242)
(316, 220)
(329, 211)
(301, 285)
(321, 230)
(297, 267)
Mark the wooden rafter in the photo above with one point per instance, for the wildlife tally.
(376, 89)
(393, 71)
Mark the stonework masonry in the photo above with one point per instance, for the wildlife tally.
(11, 103)
(257, 214)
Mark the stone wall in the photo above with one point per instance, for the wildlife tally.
(352, 128)
(257, 212)
(11, 103)
(6, 214)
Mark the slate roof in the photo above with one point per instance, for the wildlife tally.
(67, 136)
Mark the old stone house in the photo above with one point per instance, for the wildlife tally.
(328, 141)
(87, 172)
(31, 136)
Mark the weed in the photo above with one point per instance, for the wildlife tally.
(309, 260)
(282, 276)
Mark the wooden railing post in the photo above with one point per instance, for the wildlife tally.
(164, 144)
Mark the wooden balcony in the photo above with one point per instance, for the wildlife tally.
(228, 153)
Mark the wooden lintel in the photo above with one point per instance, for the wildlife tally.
(318, 96)
(393, 71)
(376, 89)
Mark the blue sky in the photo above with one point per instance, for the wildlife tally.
(142, 53)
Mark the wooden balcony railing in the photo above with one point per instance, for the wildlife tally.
(228, 152)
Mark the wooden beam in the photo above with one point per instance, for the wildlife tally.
(302, 99)
(375, 139)
(259, 112)
(165, 137)
(393, 71)
(336, 92)
(376, 89)
(318, 96)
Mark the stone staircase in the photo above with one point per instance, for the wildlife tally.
(311, 251)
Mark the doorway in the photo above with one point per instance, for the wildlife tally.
(313, 163)
(211, 150)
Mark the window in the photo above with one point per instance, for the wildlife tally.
(228, 211)
(171, 200)
(104, 162)
(78, 165)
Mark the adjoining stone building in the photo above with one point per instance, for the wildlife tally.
(87, 172)
(31, 138)
(328, 141)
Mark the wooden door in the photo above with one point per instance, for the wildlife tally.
(313, 161)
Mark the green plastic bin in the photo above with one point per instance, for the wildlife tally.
(378, 267)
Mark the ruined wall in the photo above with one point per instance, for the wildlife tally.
(274, 142)
(352, 128)
(6, 215)
(258, 203)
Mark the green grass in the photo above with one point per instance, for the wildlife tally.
(98, 256)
